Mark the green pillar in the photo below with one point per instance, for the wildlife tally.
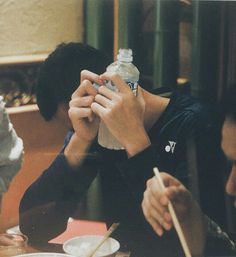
(166, 44)
(205, 49)
(129, 23)
(99, 24)
(99, 34)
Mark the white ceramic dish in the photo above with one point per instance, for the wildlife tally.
(43, 255)
(81, 246)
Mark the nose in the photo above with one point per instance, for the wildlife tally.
(231, 183)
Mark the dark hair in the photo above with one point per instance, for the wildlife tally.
(229, 103)
(59, 75)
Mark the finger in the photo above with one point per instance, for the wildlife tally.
(91, 76)
(156, 226)
(161, 214)
(98, 109)
(157, 192)
(156, 210)
(84, 101)
(168, 218)
(140, 94)
(79, 113)
(140, 98)
(105, 102)
(156, 203)
(162, 209)
(117, 80)
(85, 88)
(152, 203)
(153, 222)
(108, 93)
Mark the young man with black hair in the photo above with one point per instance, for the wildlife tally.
(153, 131)
(204, 236)
(59, 77)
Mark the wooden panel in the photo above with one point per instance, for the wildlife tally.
(22, 59)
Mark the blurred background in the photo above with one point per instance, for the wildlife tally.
(188, 44)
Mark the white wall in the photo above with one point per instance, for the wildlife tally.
(37, 26)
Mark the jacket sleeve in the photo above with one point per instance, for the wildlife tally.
(52, 198)
(11, 146)
(193, 127)
(138, 169)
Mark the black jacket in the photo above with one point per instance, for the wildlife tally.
(185, 127)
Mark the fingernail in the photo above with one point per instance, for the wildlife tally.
(100, 81)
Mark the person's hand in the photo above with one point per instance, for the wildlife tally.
(155, 203)
(192, 220)
(84, 121)
(123, 113)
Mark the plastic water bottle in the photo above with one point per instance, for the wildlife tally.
(130, 74)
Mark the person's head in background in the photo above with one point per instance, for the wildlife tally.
(59, 77)
(228, 142)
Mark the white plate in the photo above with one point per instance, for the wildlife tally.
(81, 246)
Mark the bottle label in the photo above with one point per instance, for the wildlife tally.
(133, 86)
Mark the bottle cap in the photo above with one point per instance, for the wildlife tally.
(125, 55)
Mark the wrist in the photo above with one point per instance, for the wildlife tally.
(138, 144)
(76, 150)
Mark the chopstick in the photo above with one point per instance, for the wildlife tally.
(174, 217)
(105, 237)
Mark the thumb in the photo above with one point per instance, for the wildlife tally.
(140, 98)
(140, 94)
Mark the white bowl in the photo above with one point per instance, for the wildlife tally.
(43, 255)
(81, 246)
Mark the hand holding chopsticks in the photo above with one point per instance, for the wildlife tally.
(174, 217)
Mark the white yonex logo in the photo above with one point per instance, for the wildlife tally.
(170, 147)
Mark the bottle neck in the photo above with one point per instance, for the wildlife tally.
(122, 61)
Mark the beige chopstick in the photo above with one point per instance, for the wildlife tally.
(105, 237)
(174, 217)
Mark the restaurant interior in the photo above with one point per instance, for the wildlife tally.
(189, 45)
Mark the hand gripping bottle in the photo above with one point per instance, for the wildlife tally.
(130, 74)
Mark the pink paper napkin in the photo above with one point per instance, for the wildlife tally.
(80, 228)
